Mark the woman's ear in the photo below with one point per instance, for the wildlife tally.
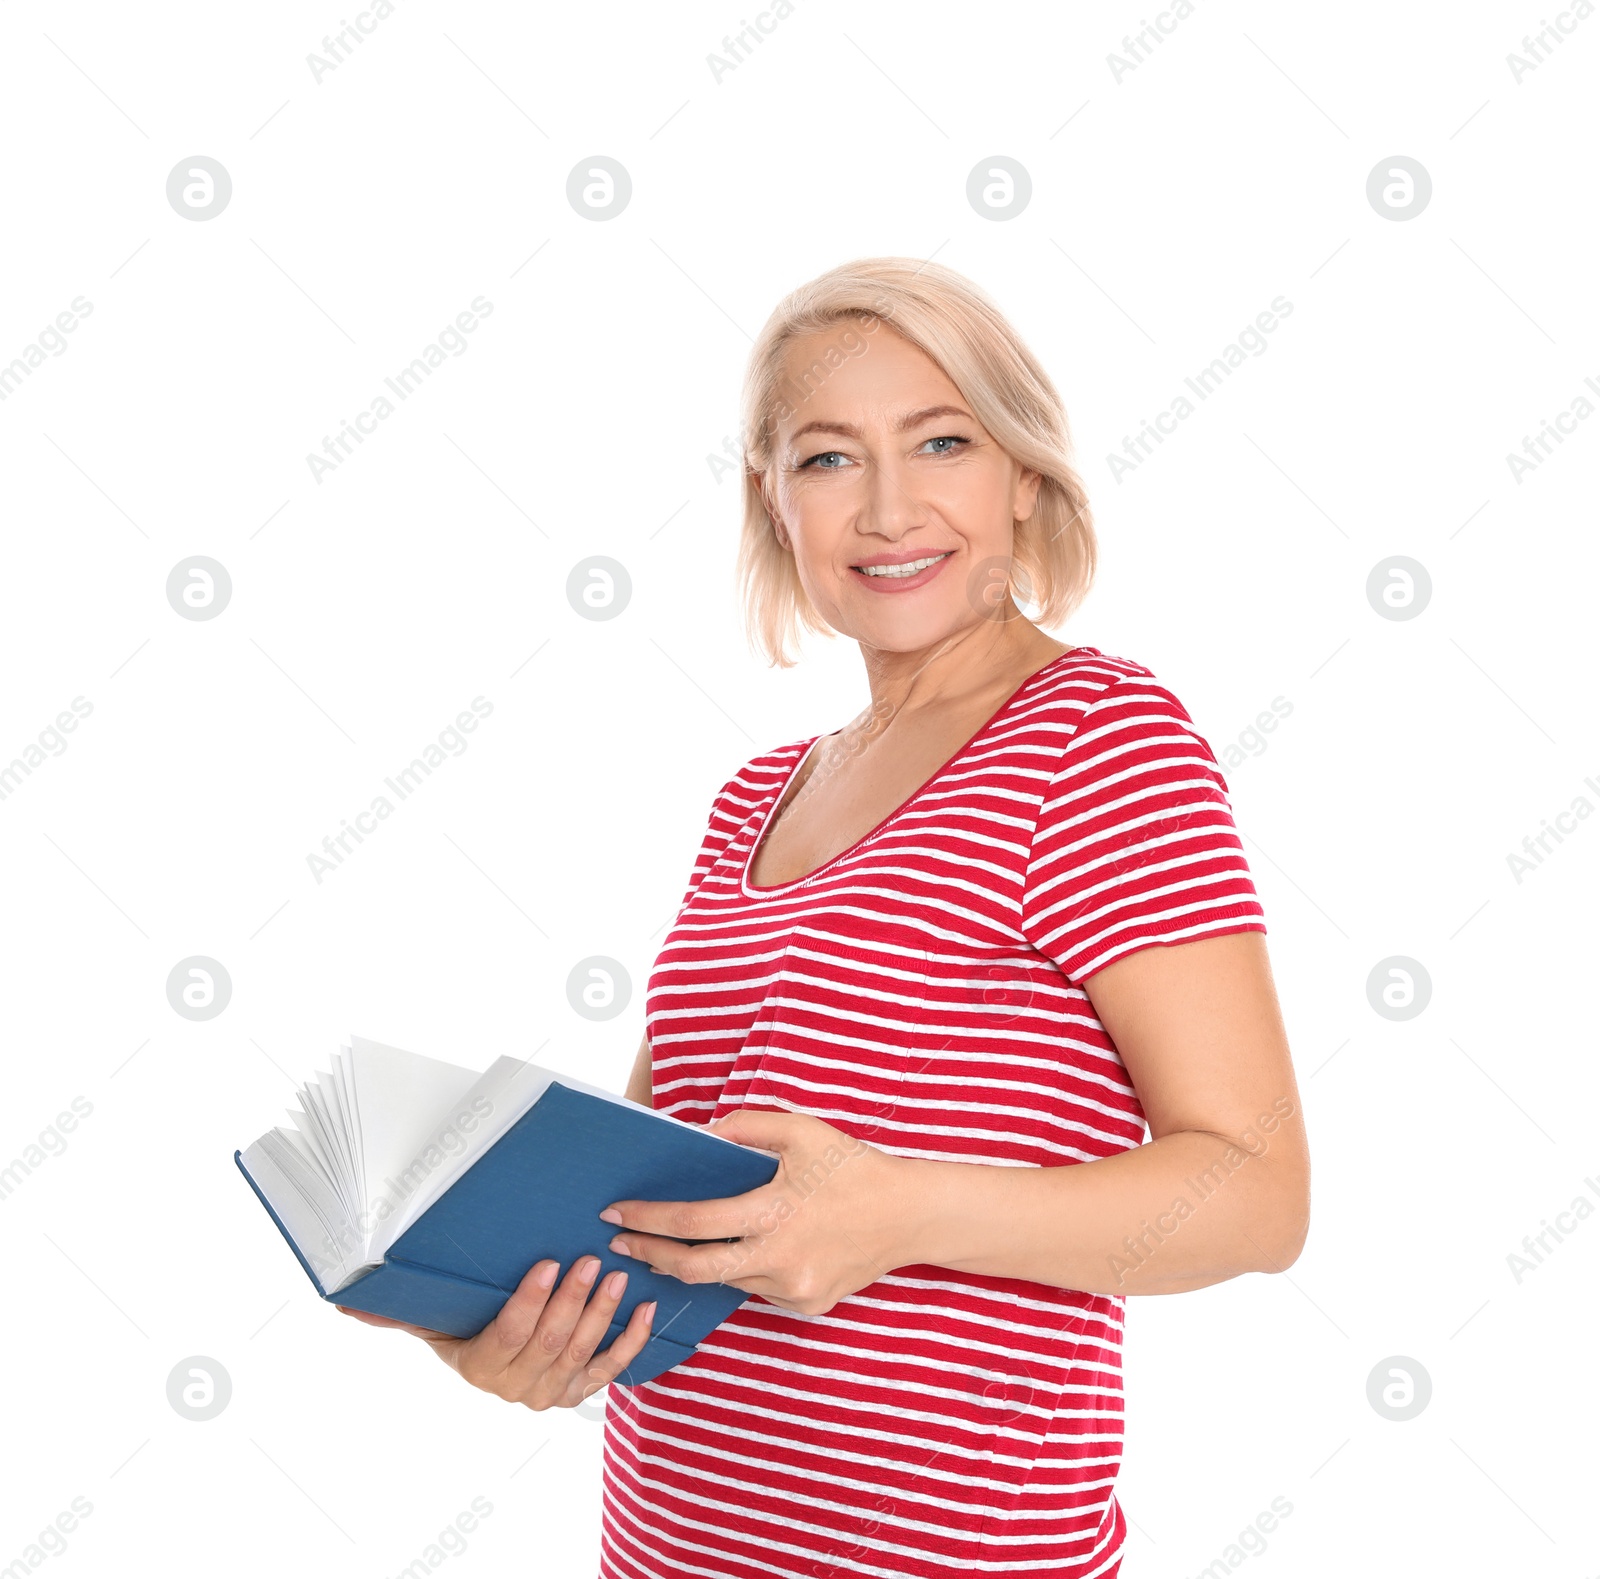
(772, 515)
(1026, 496)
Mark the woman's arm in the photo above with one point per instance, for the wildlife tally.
(1221, 1188)
(639, 1081)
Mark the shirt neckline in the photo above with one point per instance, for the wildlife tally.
(750, 891)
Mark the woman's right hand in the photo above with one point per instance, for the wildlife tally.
(538, 1351)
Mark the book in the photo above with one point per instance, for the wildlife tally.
(416, 1189)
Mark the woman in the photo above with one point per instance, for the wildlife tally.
(946, 962)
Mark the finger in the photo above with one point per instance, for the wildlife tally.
(541, 1344)
(498, 1344)
(404, 1326)
(624, 1349)
(723, 1218)
(565, 1328)
(764, 1131)
(597, 1317)
(594, 1323)
(718, 1263)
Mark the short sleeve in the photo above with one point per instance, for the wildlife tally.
(729, 811)
(1135, 843)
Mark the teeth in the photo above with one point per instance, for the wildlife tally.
(901, 570)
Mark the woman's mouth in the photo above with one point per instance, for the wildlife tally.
(902, 577)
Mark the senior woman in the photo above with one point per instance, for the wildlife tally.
(947, 963)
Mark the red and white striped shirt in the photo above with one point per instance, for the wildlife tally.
(921, 991)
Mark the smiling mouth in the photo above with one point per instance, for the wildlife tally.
(911, 568)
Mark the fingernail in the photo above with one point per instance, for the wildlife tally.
(649, 1313)
(586, 1273)
(616, 1283)
(547, 1274)
(611, 1215)
(619, 1244)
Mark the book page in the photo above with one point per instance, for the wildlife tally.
(328, 1126)
(350, 1118)
(495, 1101)
(409, 1117)
(309, 1210)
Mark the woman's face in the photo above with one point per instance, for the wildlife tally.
(882, 464)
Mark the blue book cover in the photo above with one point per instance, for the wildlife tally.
(535, 1193)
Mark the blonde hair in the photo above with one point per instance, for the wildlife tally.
(955, 324)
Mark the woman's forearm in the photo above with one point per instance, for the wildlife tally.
(1179, 1213)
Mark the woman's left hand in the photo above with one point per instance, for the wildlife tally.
(832, 1220)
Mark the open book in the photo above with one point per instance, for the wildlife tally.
(416, 1189)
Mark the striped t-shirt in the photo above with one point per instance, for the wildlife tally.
(921, 991)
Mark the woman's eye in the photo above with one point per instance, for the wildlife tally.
(822, 461)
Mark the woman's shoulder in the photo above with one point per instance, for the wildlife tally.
(1092, 693)
(1082, 676)
(1087, 667)
(761, 774)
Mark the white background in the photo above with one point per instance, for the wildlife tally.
(368, 609)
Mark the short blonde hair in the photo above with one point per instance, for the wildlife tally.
(955, 324)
